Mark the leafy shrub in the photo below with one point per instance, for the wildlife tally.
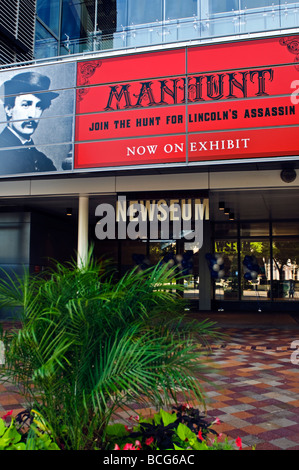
(91, 344)
(179, 430)
(37, 436)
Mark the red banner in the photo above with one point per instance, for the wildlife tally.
(131, 123)
(203, 147)
(110, 153)
(267, 112)
(132, 67)
(129, 108)
(253, 143)
(243, 54)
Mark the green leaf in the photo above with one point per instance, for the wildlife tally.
(116, 430)
(167, 418)
(184, 432)
(2, 427)
(177, 447)
(12, 434)
(20, 446)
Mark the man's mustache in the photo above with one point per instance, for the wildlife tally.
(31, 123)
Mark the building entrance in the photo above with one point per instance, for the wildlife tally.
(147, 253)
(261, 263)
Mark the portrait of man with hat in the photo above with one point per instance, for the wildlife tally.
(25, 97)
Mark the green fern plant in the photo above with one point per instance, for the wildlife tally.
(90, 345)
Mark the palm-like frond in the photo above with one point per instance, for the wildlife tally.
(90, 344)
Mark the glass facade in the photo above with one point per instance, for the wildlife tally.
(274, 274)
(145, 253)
(77, 26)
(49, 14)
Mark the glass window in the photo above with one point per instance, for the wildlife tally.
(220, 6)
(255, 270)
(121, 14)
(49, 13)
(188, 263)
(45, 44)
(141, 12)
(185, 9)
(133, 253)
(258, 3)
(225, 230)
(285, 228)
(162, 250)
(227, 286)
(285, 269)
(77, 19)
(255, 229)
(184, 262)
(106, 16)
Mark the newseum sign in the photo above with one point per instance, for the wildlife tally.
(186, 106)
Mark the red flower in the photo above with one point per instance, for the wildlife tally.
(134, 418)
(217, 421)
(239, 443)
(149, 441)
(200, 435)
(9, 413)
(129, 446)
(128, 429)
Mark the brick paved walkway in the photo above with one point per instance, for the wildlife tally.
(255, 393)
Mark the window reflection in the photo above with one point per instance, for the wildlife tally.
(160, 249)
(77, 21)
(49, 13)
(226, 230)
(273, 269)
(140, 12)
(45, 44)
(121, 15)
(185, 9)
(90, 25)
(133, 253)
(285, 269)
(258, 3)
(227, 288)
(285, 228)
(219, 6)
(149, 253)
(256, 275)
(255, 229)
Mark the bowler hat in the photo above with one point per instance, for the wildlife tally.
(28, 82)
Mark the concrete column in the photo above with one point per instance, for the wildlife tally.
(82, 230)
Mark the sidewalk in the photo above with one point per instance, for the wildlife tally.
(255, 391)
(227, 319)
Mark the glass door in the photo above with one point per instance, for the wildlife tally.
(255, 270)
(227, 286)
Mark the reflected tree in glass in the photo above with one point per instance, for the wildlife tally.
(228, 287)
(285, 268)
(259, 288)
